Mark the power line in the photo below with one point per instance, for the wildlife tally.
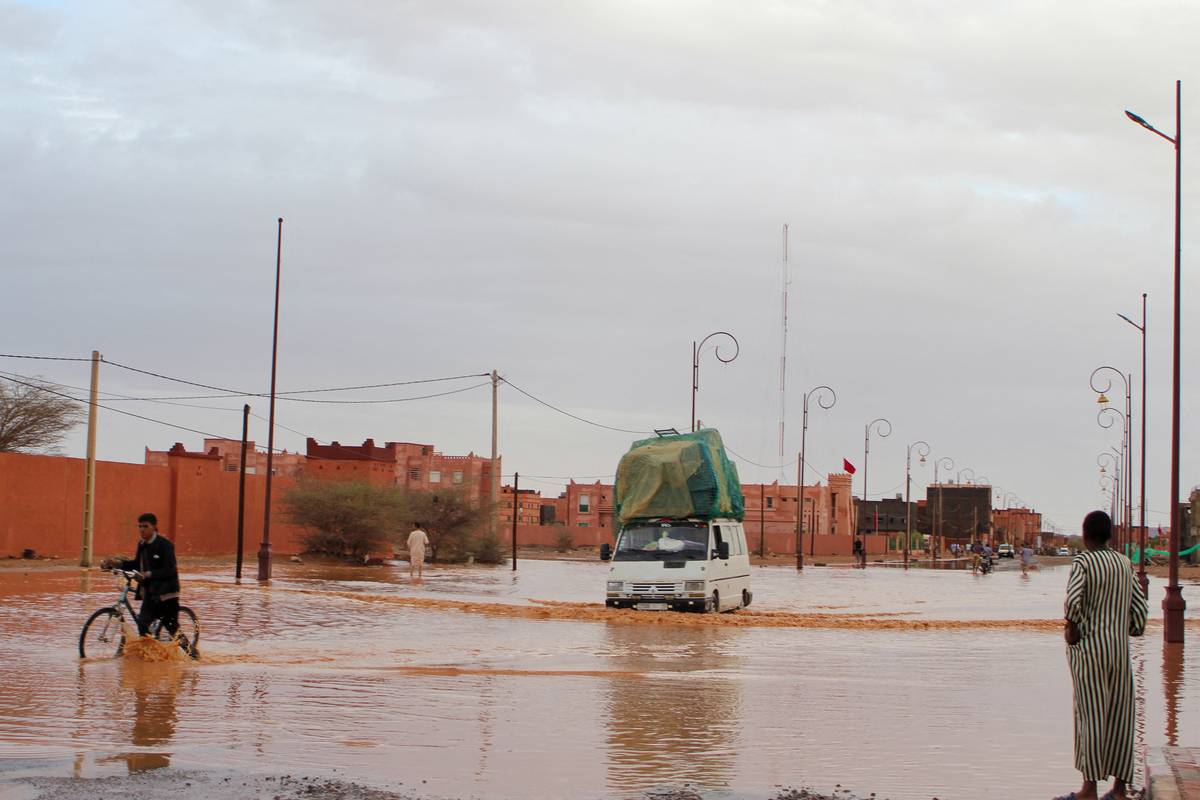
(116, 410)
(569, 414)
(43, 358)
(227, 392)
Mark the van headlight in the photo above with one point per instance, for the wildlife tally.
(615, 586)
(693, 586)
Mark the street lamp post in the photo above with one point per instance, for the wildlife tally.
(696, 350)
(1125, 513)
(264, 551)
(1173, 604)
(922, 450)
(944, 462)
(1142, 472)
(821, 394)
(878, 425)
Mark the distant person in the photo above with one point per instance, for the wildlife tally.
(158, 576)
(1104, 607)
(1026, 557)
(418, 540)
(976, 556)
(858, 548)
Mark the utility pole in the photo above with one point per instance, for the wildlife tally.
(516, 511)
(89, 483)
(264, 552)
(241, 526)
(495, 475)
(762, 520)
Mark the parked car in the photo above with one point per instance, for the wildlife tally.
(1064, 551)
(1005, 551)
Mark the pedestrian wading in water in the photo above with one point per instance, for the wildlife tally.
(1104, 607)
(418, 540)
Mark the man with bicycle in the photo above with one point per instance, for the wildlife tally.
(158, 588)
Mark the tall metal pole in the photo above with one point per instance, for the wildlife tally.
(516, 511)
(1173, 603)
(264, 552)
(1128, 462)
(762, 520)
(696, 350)
(907, 503)
(89, 481)
(695, 381)
(875, 423)
(1142, 560)
(923, 449)
(800, 489)
(241, 524)
(495, 477)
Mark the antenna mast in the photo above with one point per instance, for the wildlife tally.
(783, 349)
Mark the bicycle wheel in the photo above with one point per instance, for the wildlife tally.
(103, 635)
(188, 633)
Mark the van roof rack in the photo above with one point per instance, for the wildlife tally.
(666, 431)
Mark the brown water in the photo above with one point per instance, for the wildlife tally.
(479, 682)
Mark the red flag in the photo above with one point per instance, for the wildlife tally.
(846, 465)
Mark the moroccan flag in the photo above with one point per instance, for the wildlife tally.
(846, 465)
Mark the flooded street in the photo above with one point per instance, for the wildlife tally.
(483, 683)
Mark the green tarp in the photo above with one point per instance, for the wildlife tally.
(678, 476)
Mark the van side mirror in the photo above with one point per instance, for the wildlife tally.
(723, 551)
(605, 551)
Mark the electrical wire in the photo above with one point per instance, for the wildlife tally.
(569, 414)
(227, 392)
(42, 358)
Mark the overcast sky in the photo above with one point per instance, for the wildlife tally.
(571, 193)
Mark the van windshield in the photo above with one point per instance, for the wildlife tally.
(662, 541)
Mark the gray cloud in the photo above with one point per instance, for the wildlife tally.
(572, 193)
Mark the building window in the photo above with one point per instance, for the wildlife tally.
(585, 504)
(414, 474)
(457, 477)
(435, 476)
(770, 502)
(231, 467)
(583, 524)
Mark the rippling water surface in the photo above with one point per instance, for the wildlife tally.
(482, 682)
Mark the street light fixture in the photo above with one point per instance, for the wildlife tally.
(922, 450)
(945, 462)
(696, 349)
(1173, 603)
(1103, 417)
(1145, 581)
(878, 426)
(821, 394)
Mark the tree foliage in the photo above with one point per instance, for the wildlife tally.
(345, 519)
(455, 522)
(32, 419)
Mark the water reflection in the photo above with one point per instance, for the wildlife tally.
(680, 723)
(155, 688)
(1172, 670)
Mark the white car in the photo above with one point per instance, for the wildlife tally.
(1005, 551)
(679, 564)
(1064, 551)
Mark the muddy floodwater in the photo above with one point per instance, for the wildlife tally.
(479, 682)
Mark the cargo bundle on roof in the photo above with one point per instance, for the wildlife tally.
(678, 476)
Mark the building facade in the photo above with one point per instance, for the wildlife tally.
(959, 512)
(1016, 526)
(229, 453)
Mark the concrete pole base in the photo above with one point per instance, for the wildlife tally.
(264, 562)
(1173, 606)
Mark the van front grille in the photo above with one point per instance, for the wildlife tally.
(652, 588)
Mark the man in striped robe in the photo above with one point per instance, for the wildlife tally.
(1104, 607)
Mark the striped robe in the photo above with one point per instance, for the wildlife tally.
(1106, 603)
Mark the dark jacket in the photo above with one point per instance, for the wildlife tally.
(156, 557)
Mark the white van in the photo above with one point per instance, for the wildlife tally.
(679, 564)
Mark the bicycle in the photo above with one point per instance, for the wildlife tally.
(103, 635)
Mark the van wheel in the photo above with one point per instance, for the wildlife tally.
(746, 598)
(716, 601)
